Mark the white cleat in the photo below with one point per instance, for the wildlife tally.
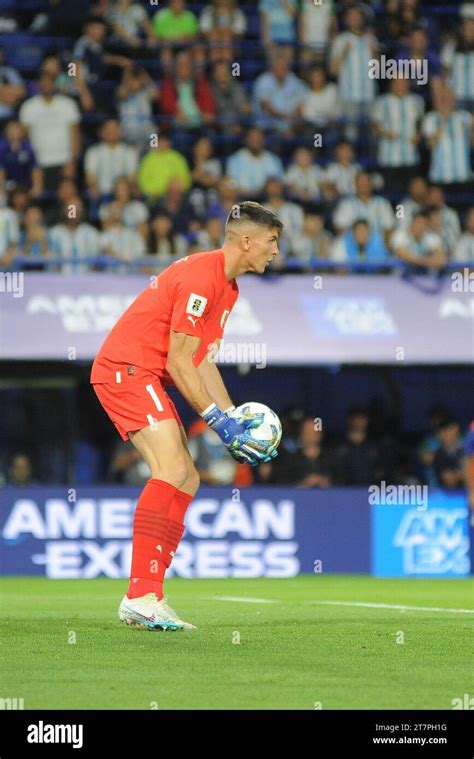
(147, 611)
(172, 615)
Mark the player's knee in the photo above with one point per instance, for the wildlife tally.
(178, 471)
(193, 480)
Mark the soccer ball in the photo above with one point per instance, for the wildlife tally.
(269, 431)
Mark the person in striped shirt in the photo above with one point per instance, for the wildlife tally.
(250, 167)
(9, 236)
(74, 239)
(350, 57)
(457, 58)
(340, 175)
(464, 250)
(448, 133)
(134, 213)
(291, 214)
(421, 249)
(118, 241)
(365, 205)
(109, 160)
(397, 119)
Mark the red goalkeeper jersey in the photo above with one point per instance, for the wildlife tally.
(192, 295)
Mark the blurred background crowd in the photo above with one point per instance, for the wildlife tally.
(131, 128)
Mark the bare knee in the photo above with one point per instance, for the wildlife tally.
(193, 481)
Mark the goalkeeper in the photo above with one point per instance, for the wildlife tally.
(164, 338)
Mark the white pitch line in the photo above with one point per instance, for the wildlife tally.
(243, 599)
(390, 606)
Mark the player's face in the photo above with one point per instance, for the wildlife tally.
(262, 249)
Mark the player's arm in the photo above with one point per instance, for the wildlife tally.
(212, 377)
(186, 377)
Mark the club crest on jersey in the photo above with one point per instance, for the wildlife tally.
(224, 316)
(196, 305)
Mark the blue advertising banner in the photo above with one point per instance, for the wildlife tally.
(255, 532)
(431, 540)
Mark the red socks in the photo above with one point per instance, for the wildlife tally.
(176, 514)
(158, 526)
(150, 525)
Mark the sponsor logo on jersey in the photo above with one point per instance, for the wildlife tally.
(196, 305)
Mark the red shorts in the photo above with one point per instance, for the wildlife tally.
(135, 401)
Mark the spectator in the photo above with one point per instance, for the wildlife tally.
(67, 191)
(277, 96)
(18, 166)
(448, 458)
(136, 96)
(128, 467)
(317, 25)
(314, 242)
(448, 133)
(290, 214)
(250, 167)
(207, 171)
(133, 213)
(357, 458)
(340, 175)
(430, 444)
(213, 463)
(52, 122)
(321, 107)
(397, 120)
(457, 58)
(227, 198)
(418, 246)
(109, 160)
(222, 14)
(118, 241)
(417, 200)
(303, 177)
(310, 465)
(230, 97)
(187, 97)
(9, 237)
(12, 89)
(176, 202)
(221, 23)
(210, 238)
(89, 51)
(130, 23)
(435, 226)
(358, 244)
(350, 57)
(74, 239)
(159, 167)
(418, 52)
(464, 249)
(175, 23)
(449, 217)
(277, 22)
(20, 471)
(34, 242)
(163, 245)
(72, 86)
(365, 205)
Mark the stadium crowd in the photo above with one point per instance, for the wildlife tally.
(128, 141)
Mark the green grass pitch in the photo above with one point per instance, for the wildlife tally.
(277, 647)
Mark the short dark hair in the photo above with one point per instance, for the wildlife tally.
(249, 211)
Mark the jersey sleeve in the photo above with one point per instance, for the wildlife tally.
(192, 302)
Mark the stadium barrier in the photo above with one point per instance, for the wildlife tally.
(59, 532)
